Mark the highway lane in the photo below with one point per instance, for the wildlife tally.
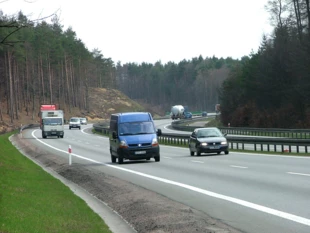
(254, 193)
(165, 125)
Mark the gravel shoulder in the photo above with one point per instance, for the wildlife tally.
(143, 210)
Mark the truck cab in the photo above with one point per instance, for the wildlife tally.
(52, 126)
(52, 123)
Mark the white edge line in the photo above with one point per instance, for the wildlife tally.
(238, 166)
(261, 208)
(300, 174)
(196, 161)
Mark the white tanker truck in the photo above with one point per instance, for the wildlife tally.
(177, 112)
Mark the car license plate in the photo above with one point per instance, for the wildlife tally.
(214, 147)
(140, 152)
(53, 132)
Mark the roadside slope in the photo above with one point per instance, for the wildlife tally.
(144, 210)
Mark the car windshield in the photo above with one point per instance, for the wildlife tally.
(74, 120)
(205, 133)
(133, 128)
(52, 121)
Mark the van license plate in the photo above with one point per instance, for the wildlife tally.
(140, 152)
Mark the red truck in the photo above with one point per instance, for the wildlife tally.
(46, 107)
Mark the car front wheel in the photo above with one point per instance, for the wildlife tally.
(157, 158)
(120, 160)
(198, 153)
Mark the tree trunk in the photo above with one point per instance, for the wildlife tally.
(50, 75)
(298, 19)
(11, 107)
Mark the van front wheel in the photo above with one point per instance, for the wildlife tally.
(113, 159)
(157, 158)
(120, 160)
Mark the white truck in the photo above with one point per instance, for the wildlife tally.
(177, 112)
(52, 123)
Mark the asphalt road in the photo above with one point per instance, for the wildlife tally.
(251, 192)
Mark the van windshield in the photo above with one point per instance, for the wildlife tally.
(133, 128)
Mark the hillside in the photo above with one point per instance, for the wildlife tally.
(102, 103)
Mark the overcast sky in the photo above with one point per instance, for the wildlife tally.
(157, 30)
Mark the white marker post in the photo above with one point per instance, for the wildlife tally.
(70, 156)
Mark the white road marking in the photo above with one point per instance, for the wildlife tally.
(196, 161)
(251, 205)
(300, 174)
(86, 128)
(166, 157)
(238, 166)
(166, 128)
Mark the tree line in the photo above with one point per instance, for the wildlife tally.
(267, 88)
(194, 83)
(271, 88)
(41, 61)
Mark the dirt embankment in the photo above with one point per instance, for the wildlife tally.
(144, 210)
(102, 103)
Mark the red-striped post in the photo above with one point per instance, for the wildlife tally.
(70, 157)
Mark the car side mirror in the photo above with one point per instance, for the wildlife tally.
(159, 133)
(114, 135)
(193, 135)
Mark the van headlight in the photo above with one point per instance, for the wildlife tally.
(155, 142)
(224, 143)
(123, 144)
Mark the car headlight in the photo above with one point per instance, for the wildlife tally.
(224, 143)
(154, 142)
(123, 144)
(204, 144)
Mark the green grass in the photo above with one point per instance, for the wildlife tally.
(31, 200)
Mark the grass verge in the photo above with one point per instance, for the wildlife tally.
(31, 200)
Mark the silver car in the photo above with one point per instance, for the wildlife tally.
(74, 123)
(83, 121)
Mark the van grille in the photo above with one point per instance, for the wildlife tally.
(140, 145)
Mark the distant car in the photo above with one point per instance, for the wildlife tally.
(207, 140)
(74, 123)
(83, 121)
(204, 114)
(188, 115)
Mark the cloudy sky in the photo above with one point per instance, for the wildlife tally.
(157, 30)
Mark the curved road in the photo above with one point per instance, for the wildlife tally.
(251, 192)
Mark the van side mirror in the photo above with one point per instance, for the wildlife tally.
(114, 135)
(159, 132)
